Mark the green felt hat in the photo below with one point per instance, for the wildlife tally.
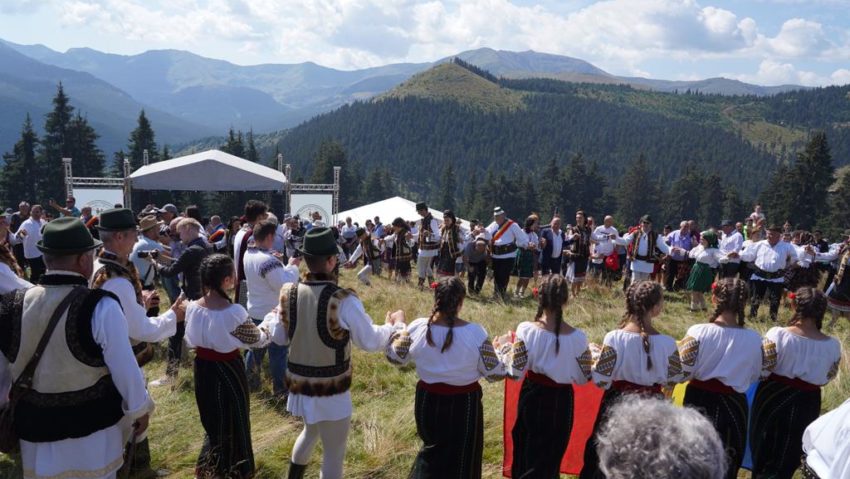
(319, 241)
(66, 236)
(117, 219)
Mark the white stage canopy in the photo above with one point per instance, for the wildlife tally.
(211, 170)
(388, 210)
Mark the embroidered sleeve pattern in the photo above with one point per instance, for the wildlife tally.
(585, 362)
(606, 362)
(269, 266)
(247, 332)
(768, 355)
(833, 371)
(398, 348)
(688, 351)
(519, 355)
(674, 369)
(493, 369)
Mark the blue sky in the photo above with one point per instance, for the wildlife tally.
(760, 41)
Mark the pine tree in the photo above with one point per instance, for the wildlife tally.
(448, 187)
(17, 177)
(812, 174)
(470, 192)
(116, 169)
(778, 197)
(87, 158)
(551, 190)
(50, 172)
(839, 216)
(711, 201)
(733, 206)
(373, 187)
(165, 154)
(251, 153)
(635, 193)
(141, 139)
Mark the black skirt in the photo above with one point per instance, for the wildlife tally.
(542, 430)
(221, 392)
(728, 414)
(451, 427)
(781, 413)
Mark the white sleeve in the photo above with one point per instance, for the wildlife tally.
(520, 236)
(661, 245)
(435, 229)
(490, 366)
(749, 253)
(694, 252)
(364, 333)
(356, 254)
(9, 281)
(398, 348)
(277, 332)
(112, 336)
(280, 276)
(514, 356)
(624, 240)
(139, 325)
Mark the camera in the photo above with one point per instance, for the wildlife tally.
(154, 254)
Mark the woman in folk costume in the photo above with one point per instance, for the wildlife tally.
(370, 250)
(218, 330)
(451, 355)
(553, 355)
(747, 267)
(401, 249)
(722, 358)
(11, 275)
(707, 257)
(578, 240)
(635, 359)
(805, 271)
(451, 244)
(524, 267)
(799, 359)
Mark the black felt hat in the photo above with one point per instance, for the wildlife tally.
(319, 241)
(66, 236)
(117, 219)
(421, 206)
(646, 219)
(359, 232)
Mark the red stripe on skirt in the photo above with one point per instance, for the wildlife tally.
(213, 355)
(448, 389)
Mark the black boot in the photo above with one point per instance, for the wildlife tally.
(296, 471)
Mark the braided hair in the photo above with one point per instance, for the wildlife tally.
(730, 294)
(810, 303)
(448, 295)
(552, 295)
(641, 297)
(215, 268)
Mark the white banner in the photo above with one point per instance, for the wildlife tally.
(305, 204)
(98, 199)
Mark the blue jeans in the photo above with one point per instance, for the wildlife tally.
(172, 287)
(277, 365)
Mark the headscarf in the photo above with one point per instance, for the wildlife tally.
(710, 237)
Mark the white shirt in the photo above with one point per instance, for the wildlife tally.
(514, 234)
(33, 229)
(557, 244)
(364, 334)
(265, 275)
(99, 454)
(604, 244)
(710, 256)
(770, 258)
(623, 358)
(826, 443)
(10, 281)
(641, 266)
(237, 247)
(469, 358)
(348, 232)
(359, 250)
(793, 356)
(144, 266)
(214, 329)
(533, 349)
(731, 355)
(733, 242)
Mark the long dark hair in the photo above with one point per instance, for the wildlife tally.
(640, 298)
(448, 295)
(552, 295)
(7, 257)
(730, 294)
(529, 223)
(810, 303)
(215, 268)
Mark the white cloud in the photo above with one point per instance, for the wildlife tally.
(772, 72)
(840, 77)
(798, 38)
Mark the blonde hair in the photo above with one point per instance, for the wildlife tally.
(189, 223)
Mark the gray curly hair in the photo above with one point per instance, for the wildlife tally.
(647, 438)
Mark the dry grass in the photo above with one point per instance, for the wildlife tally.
(383, 439)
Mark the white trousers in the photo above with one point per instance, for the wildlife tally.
(334, 435)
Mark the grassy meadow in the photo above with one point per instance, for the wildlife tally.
(383, 441)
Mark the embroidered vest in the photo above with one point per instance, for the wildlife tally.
(319, 362)
(401, 250)
(449, 240)
(650, 256)
(73, 394)
(370, 251)
(425, 239)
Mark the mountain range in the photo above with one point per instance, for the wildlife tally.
(188, 96)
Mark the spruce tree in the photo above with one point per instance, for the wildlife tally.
(448, 187)
(778, 197)
(636, 192)
(251, 153)
(50, 172)
(17, 179)
(551, 189)
(141, 139)
(733, 205)
(711, 201)
(839, 216)
(813, 174)
(87, 158)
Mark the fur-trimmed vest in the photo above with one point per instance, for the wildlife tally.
(73, 394)
(319, 362)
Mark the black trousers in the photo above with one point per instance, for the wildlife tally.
(502, 274)
(671, 281)
(18, 251)
(550, 266)
(37, 269)
(758, 289)
(175, 350)
(476, 275)
(729, 270)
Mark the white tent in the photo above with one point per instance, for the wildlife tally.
(388, 210)
(211, 170)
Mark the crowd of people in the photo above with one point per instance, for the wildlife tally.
(79, 404)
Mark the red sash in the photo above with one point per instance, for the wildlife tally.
(213, 355)
(502, 230)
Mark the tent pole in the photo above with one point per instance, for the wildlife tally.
(288, 187)
(336, 193)
(69, 177)
(127, 186)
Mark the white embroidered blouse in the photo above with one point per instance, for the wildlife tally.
(788, 354)
(533, 349)
(731, 355)
(623, 358)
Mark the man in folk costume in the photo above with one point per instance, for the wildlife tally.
(732, 242)
(113, 272)
(319, 321)
(838, 289)
(505, 237)
(645, 245)
(370, 249)
(428, 240)
(770, 258)
(67, 346)
(255, 211)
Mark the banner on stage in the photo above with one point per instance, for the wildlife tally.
(305, 204)
(98, 199)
